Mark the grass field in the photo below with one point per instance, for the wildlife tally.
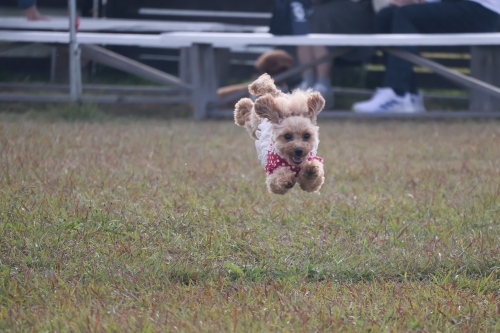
(164, 226)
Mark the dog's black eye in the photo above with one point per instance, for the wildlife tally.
(306, 136)
(288, 137)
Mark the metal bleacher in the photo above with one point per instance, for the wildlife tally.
(200, 42)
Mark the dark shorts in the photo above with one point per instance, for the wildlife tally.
(26, 3)
(345, 17)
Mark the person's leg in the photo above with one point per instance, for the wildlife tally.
(323, 69)
(31, 11)
(323, 82)
(349, 17)
(32, 14)
(399, 78)
(25, 4)
(446, 17)
(305, 55)
(399, 73)
(319, 23)
(384, 19)
(338, 17)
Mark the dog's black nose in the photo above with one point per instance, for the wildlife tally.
(298, 152)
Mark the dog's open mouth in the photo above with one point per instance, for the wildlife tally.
(297, 160)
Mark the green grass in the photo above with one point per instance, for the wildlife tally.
(163, 226)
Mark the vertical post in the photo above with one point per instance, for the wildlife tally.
(75, 75)
(203, 78)
(95, 9)
(104, 8)
(185, 73)
(53, 63)
(95, 14)
(485, 66)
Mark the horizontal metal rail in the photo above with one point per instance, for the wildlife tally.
(55, 98)
(91, 88)
(123, 25)
(230, 39)
(202, 13)
(224, 39)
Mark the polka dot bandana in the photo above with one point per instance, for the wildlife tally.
(275, 161)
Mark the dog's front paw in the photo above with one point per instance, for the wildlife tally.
(281, 181)
(288, 183)
(311, 176)
(311, 170)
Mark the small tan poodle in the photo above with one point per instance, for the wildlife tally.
(284, 127)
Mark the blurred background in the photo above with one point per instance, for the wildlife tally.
(352, 81)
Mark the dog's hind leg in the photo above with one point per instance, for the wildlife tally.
(242, 111)
(244, 115)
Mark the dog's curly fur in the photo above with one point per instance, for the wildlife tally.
(293, 117)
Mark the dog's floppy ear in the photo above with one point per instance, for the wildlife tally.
(315, 103)
(242, 111)
(265, 107)
(263, 85)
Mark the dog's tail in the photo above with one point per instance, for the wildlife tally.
(242, 111)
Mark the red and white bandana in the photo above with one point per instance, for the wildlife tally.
(275, 161)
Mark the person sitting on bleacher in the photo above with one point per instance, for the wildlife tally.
(399, 93)
(334, 17)
(31, 11)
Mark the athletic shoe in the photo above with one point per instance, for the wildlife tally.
(327, 93)
(385, 100)
(418, 102)
(308, 80)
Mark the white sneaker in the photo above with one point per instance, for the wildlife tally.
(384, 100)
(417, 103)
(308, 80)
(327, 94)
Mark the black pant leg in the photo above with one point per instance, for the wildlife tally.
(24, 4)
(384, 19)
(446, 17)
